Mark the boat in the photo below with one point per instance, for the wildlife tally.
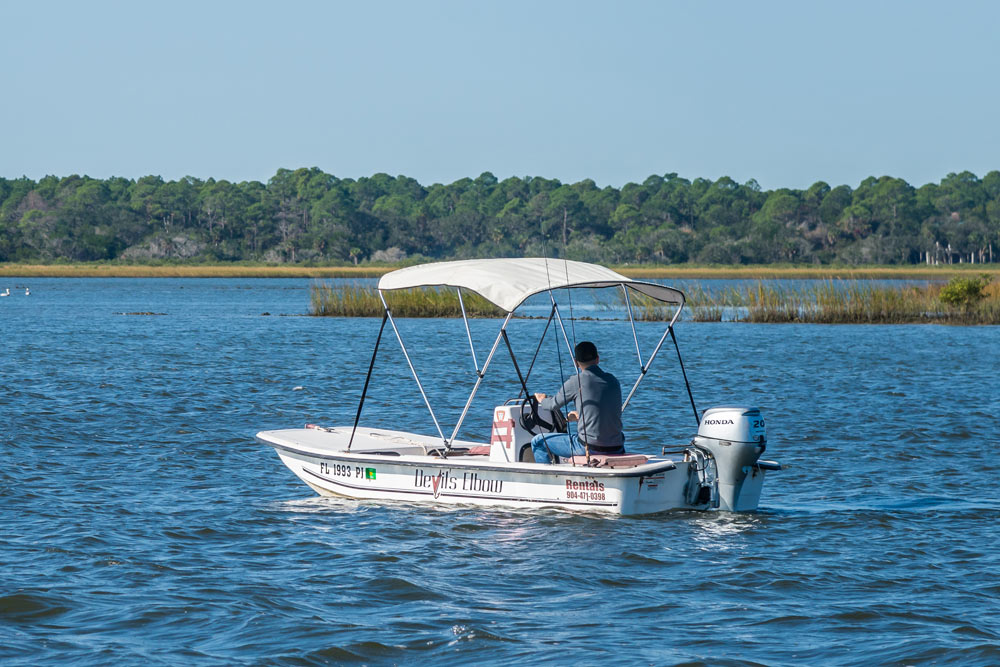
(718, 469)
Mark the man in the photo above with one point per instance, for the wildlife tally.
(598, 398)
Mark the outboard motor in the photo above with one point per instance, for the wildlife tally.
(736, 438)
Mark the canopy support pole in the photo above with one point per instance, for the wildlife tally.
(479, 380)
(447, 445)
(628, 305)
(649, 362)
(465, 318)
(539, 348)
(524, 384)
(677, 347)
(364, 392)
(563, 328)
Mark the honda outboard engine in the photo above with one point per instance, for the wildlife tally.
(736, 438)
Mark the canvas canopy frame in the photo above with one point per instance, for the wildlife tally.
(525, 278)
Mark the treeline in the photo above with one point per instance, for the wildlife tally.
(307, 215)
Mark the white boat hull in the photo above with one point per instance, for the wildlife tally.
(392, 465)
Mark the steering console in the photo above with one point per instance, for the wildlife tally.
(532, 421)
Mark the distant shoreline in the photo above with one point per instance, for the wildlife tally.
(942, 272)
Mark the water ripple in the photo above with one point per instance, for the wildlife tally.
(142, 524)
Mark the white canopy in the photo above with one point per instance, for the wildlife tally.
(508, 282)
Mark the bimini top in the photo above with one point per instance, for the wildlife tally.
(508, 282)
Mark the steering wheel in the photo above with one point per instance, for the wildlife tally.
(533, 420)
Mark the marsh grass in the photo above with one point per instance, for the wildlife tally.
(835, 302)
(359, 301)
(97, 270)
(810, 272)
(831, 302)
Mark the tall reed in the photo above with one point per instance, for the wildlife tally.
(831, 302)
(167, 270)
(358, 301)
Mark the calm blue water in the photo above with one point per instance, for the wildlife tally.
(141, 523)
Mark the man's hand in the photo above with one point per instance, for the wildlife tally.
(572, 416)
(539, 397)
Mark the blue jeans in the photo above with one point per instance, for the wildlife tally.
(560, 444)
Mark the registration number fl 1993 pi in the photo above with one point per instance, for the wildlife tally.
(344, 470)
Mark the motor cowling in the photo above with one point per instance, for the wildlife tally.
(736, 437)
(734, 424)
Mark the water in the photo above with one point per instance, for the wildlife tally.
(141, 524)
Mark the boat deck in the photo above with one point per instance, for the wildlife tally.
(399, 447)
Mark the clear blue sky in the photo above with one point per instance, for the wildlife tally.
(784, 92)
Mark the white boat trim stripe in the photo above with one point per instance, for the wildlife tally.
(422, 492)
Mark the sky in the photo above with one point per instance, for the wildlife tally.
(787, 93)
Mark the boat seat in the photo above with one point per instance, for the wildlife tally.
(612, 460)
(478, 451)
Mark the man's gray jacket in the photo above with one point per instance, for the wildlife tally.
(600, 409)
